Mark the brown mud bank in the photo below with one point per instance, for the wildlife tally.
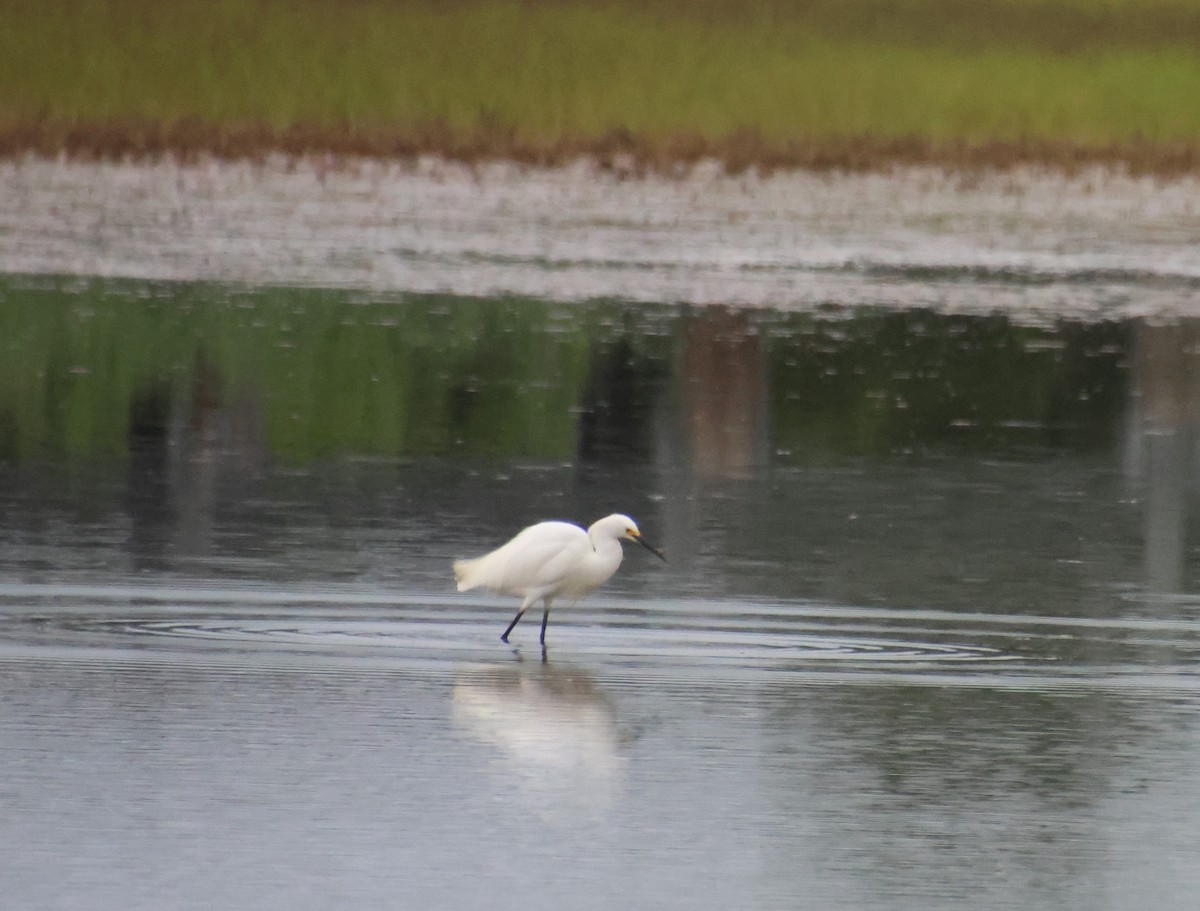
(620, 150)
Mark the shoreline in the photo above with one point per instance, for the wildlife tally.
(190, 140)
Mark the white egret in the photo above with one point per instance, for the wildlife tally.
(550, 559)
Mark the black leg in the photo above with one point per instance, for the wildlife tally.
(520, 614)
(545, 618)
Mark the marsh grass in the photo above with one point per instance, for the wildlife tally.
(768, 81)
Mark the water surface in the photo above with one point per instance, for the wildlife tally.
(927, 636)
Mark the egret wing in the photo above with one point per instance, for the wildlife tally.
(538, 559)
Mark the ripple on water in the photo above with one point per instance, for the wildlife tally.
(803, 641)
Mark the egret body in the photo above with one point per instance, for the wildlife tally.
(550, 559)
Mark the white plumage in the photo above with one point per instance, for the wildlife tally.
(550, 559)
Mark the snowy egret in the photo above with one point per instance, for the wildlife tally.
(551, 559)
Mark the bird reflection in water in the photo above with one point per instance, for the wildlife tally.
(555, 732)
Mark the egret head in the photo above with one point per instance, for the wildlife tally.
(626, 528)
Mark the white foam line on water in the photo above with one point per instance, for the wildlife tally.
(658, 613)
(850, 612)
(618, 670)
(639, 655)
(200, 593)
(1131, 683)
(298, 661)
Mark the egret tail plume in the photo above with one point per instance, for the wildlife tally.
(462, 574)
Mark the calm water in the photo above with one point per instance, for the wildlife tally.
(929, 635)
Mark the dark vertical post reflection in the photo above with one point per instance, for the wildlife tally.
(149, 489)
(1166, 417)
(180, 450)
(619, 398)
(717, 429)
(200, 445)
(723, 375)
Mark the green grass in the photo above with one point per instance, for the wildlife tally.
(666, 80)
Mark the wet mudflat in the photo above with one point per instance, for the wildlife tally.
(928, 635)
